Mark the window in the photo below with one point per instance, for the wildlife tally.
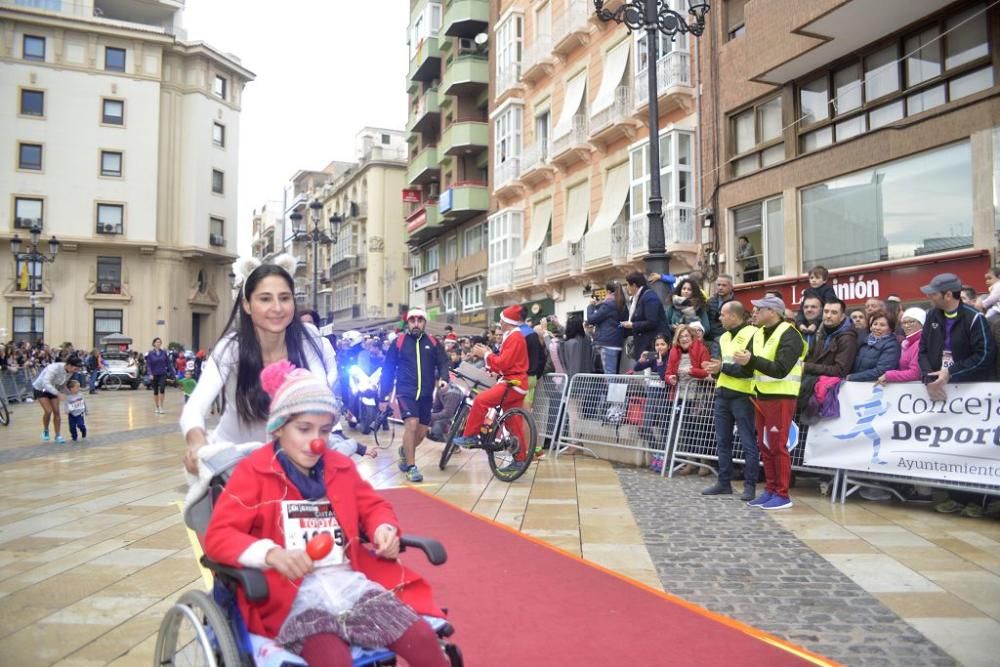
(915, 206)
(216, 231)
(451, 250)
(34, 48)
(114, 59)
(509, 34)
(24, 328)
(760, 240)
(505, 229)
(109, 275)
(111, 163)
(934, 65)
(450, 299)
(735, 21)
(542, 121)
(28, 213)
(507, 131)
(113, 112)
(29, 275)
(432, 259)
(32, 103)
(29, 156)
(219, 87)
(219, 134)
(218, 182)
(386, 140)
(426, 24)
(472, 296)
(676, 184)
(757, 137)
(110, 218)
(106, 322)
(473, 240)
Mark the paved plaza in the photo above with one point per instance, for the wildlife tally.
(93, 550)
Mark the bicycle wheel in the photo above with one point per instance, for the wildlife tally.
(195, 631)
(112, 382)
(457, 425)
(504, 445)
(4, 412)
(385, 434)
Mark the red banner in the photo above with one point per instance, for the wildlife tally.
(903, 278)
(411, 196)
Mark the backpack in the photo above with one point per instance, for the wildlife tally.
(399, 341)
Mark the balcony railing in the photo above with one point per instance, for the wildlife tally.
(507, 172)
(571, 22)
(577, 136)
(619, 242)
(534, 274)
(576, 252)
(500, 275)
(342, 266)
(678, 228)
(619, 111)
(508, 77)
(535, 155)
(673, 69)
(536, 53)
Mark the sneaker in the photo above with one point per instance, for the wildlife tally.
(718, 489)
(45, 436)
(413, 475)
(465, 441)
(60, 440)
(777, 503)
(761, 499)
(403, 465)
(539, 453)
(948, 506)
(516, 466)
(973, 511)
(749, 492)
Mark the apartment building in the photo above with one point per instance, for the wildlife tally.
(123, 143)
(267, 229)
(447, 192)
(568, 114)
(860, 136)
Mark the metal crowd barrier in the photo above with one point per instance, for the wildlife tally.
(547, 406)
(16, 385)
(629, 412)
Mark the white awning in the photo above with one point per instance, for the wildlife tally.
(614, 69)
(540, 219)
(571, 104)
(577, 212)
(615, 193)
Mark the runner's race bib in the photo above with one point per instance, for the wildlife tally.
(946, 359)
(304, 519)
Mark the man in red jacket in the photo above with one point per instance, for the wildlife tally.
(511, 364)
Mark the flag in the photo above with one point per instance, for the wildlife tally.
(23, 281)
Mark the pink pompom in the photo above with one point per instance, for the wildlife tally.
(273, 376)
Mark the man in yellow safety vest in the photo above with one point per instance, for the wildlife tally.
(775, 355)
(733, 389)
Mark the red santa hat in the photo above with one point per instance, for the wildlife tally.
(416, 312)
(512, 315)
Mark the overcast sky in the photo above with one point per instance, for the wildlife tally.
(325, 69)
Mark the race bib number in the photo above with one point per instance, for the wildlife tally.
(946, 359)
(304, 519)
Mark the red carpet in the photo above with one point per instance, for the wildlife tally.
(517, 602)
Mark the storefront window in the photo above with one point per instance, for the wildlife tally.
(916, 206)
(759, 230)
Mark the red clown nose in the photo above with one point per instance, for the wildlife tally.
(317, 446)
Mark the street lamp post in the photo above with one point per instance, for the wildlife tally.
(30, 257)
(655, 16)
(317, 236)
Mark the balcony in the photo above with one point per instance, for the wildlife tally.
(535, 164)
(464, 138)
(557, 261)
(508, 78)
(619, 243)
(425, 114)
(571, 29)
(537, 60)
(347, 265)
(529, 276)
(426, 64)
(500, 277)
(464, 200)
(423, 223)
(615, 122)
(673, 84)
(466, 18)
(505, 176)
(573, 146)
(423, 167)
(678, 230)
(466, 75)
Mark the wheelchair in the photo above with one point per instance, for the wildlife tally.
(207, 628)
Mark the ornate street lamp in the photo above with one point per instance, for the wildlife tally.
(317, 236)
(30, 257)
(655, 16)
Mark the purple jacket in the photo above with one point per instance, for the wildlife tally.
(157, 362)
(909, 364)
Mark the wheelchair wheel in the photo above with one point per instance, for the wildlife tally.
(4, 412)
(196, 632)
(457, 424)
(504, 444)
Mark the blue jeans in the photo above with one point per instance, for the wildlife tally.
(92, 380)
(738, 410)
(609, 359)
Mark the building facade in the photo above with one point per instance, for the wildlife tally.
(124, 141)
(570, 174)
(447, 191)
(858, 139)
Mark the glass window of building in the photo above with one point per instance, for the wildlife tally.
(109, 275)
(218, 182)
(111, 164)
(754, 131)
(113, 112)
(220, 87)
(110, 218)
(33, 48)
(106, 322)
(219, 134)
(24, 328)
(114, 59)
(32, 103)
(29, 156)
(509, 34)
(28, 213)
(759, 232)
(30, 269)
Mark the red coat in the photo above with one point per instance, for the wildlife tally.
(698, 353)
(244, 515)
(512, 360)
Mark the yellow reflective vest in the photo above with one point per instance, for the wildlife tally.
(730, 345)
(767, 385)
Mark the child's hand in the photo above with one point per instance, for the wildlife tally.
(292, 564)
(371, 452)
(386, 542)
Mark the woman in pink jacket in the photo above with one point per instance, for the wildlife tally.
(909, 369)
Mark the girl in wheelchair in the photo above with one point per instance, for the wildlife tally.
(282, 496)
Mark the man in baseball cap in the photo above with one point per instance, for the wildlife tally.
(941, 283)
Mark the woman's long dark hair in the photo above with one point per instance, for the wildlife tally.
(252, 402)
(574, 328)
(615, 288)
(697, 298)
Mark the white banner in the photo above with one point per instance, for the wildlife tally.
(899, 430)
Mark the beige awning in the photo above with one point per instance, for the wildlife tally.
(571, 105)
(615, 194)
(577, 212)
(541, 216)
(614, 69)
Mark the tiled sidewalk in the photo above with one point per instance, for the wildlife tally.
(92, 549)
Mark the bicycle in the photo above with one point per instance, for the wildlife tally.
(496, 437)
(4, 410)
